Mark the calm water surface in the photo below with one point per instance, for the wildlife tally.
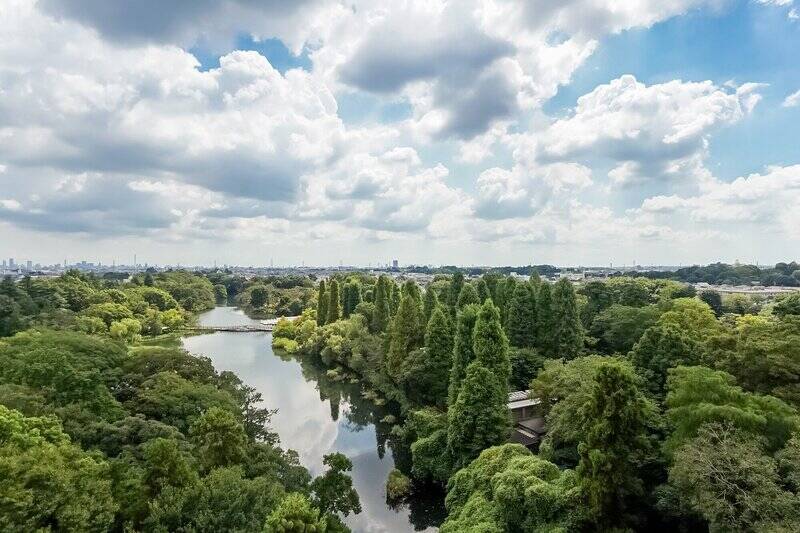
(317, 416)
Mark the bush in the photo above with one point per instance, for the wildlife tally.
(285, 345)
(398, 486)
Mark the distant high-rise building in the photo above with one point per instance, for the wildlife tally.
(394, 263)
(11, 262)
(4, 264)
(29, 265)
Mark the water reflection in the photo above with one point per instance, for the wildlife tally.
(318, 415)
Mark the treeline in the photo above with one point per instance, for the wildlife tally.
(146, 305)
(782, 274)
(106, 432)
(266, 296)
(660, 412)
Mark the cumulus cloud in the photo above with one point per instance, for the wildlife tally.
(656, 132)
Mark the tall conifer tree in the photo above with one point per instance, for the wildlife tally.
(568, 333)
(522, 318)
(407, 334)
(322, 304)
(544, 322)
(334, 306)
(431, 301)
(463, 350)
(490, 343)
(467, 297)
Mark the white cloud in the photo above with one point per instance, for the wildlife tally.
(656, 132)
(793, 100)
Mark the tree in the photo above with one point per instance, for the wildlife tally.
(616, 416)
(490, 343)
(10, 316)
(295, 515)
(713, 299)
(662, 347)
(509, 489)
(259, 297)
(507, 289)
(394, 303)
(165, 466)
(545, 322)
(438, 357)
(788, 305)
(352, 297)
(430, 303)
(456, 284)
(698, 395)
(48, 484)
(463, 350)
(598, 298)
(220, 293)
(568, 333)
(334, 305)
(407, 334)
(483, 290)
(522, 317)
(479, 418)
(380, 319)
(619, 327)
(322, 304)
(219, 437)
(467, 296)
(724, 475)
(333, 491)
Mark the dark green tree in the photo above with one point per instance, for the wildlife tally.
(406, 335)
(662, 347)
(483, 290)
(507, 289)
(522, 318)
(438, 357)
(322, 304)
(380, 318)
(394, 303)
(479, 418)
(333, 491)
(431, 301)
(713, 299)
(617, 415)
(545, 322)
(456, 284)
(334, 305)
(468, 296)
(491, 345)
(259, 297)
(463, 350)
(219, 438)
(567, 331)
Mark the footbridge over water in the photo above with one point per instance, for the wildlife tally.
(262, 326)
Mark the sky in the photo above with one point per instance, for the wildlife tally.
(470, 132)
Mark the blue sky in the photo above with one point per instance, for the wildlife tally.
(474, 132)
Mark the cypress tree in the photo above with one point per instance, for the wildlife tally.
(535, 281)
(394, 302)
(322, 304)
(431, 301)
(439, 356)
(522, 318)
(544, 322)
(407, 334)
(616, 422)
(483, 291)
(467, 297)
(352, 297)
(508, 288)
(568, 333)
(380, 319)
(479, 418)
(456, 284)
(463, 352)
(490, 343)
(334, 306)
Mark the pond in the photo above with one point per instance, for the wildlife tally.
(317, 415)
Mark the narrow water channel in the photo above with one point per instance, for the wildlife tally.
(317, 415)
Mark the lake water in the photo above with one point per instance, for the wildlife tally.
(317, 416)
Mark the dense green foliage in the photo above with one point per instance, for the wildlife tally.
(100, 431)
(638, 380)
